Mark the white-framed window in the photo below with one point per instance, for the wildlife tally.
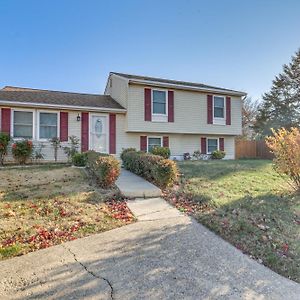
(22, 124)
(153, 142)
(159, 102)
(47, 125)
(219, 107)
(212, 145)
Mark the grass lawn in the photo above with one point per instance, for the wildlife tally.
(249, 205)
(47, 205)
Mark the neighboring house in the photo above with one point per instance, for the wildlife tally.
(135, 111)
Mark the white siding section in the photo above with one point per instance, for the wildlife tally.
(48, 151)
(190, 113)
(74, 125)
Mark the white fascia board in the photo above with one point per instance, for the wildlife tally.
(59, 106)
(186, 87)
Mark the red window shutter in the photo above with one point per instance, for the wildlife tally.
(221, 144)
(64, 121)
(170, 106)
(84, 131)
(209, 109)
(147, 104)
(112, 133)
(143, 143)
(203, 145)
(5, 120)
(166, 141)
(228, 111)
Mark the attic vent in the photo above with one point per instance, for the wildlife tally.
(110, 83)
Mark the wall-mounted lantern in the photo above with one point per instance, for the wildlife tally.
(78, 118)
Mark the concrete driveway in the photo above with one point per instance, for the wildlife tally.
(165, 255)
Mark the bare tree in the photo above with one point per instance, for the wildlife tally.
(249, 113)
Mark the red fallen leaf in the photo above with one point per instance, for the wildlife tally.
(225, 223)
(8, 242)
(285, 248)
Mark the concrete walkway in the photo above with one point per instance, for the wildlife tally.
(165, 255)
(133, 186)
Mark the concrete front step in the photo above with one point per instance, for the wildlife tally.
(133, 186)
(152, 209)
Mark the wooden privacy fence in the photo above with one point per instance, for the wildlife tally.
(252, 149)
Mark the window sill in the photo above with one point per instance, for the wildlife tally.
(219, 121)
(159, 118)
(21, 138)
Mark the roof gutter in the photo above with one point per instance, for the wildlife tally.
(59, 106)
(186, 87)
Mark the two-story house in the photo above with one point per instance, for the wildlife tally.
(135, 111)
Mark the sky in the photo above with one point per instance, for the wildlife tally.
(72, 45)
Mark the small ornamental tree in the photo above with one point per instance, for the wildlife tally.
(4, 141)
(74, 146)
(55, 142)
(285, 145)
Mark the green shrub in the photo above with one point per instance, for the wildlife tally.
(106, 168)
(156, 169)
(161, 151)
(218, 154)
(4, 141)
(124, 151)
(22, 151)
(92, 155)
(79, 159)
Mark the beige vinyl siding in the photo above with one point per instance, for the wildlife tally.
(119, 90)
(178, 143)
(124, 139)
(190, 113)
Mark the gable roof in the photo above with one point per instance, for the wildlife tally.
(176, 84)
(37, 97)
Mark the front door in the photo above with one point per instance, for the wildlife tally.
(98, 133)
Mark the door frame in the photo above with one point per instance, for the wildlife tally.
(107, 129)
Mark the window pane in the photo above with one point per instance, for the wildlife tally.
(159, 96)
(23, 131)
(212, 145)
(218, 112)
(159, 108)
(23, 124)
(218, 107)
(219, 101)
(48, 125)
(48, 132)
(22, 117)
(153, 142)
(48, 119)
(159, 102)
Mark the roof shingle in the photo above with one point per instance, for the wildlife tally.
(174, 82)
(37, 96)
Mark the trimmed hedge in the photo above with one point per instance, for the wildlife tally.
(124, 151)
(161, 151)
(156, 169)
(106, 168)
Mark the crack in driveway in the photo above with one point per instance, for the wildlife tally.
(90, 272)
